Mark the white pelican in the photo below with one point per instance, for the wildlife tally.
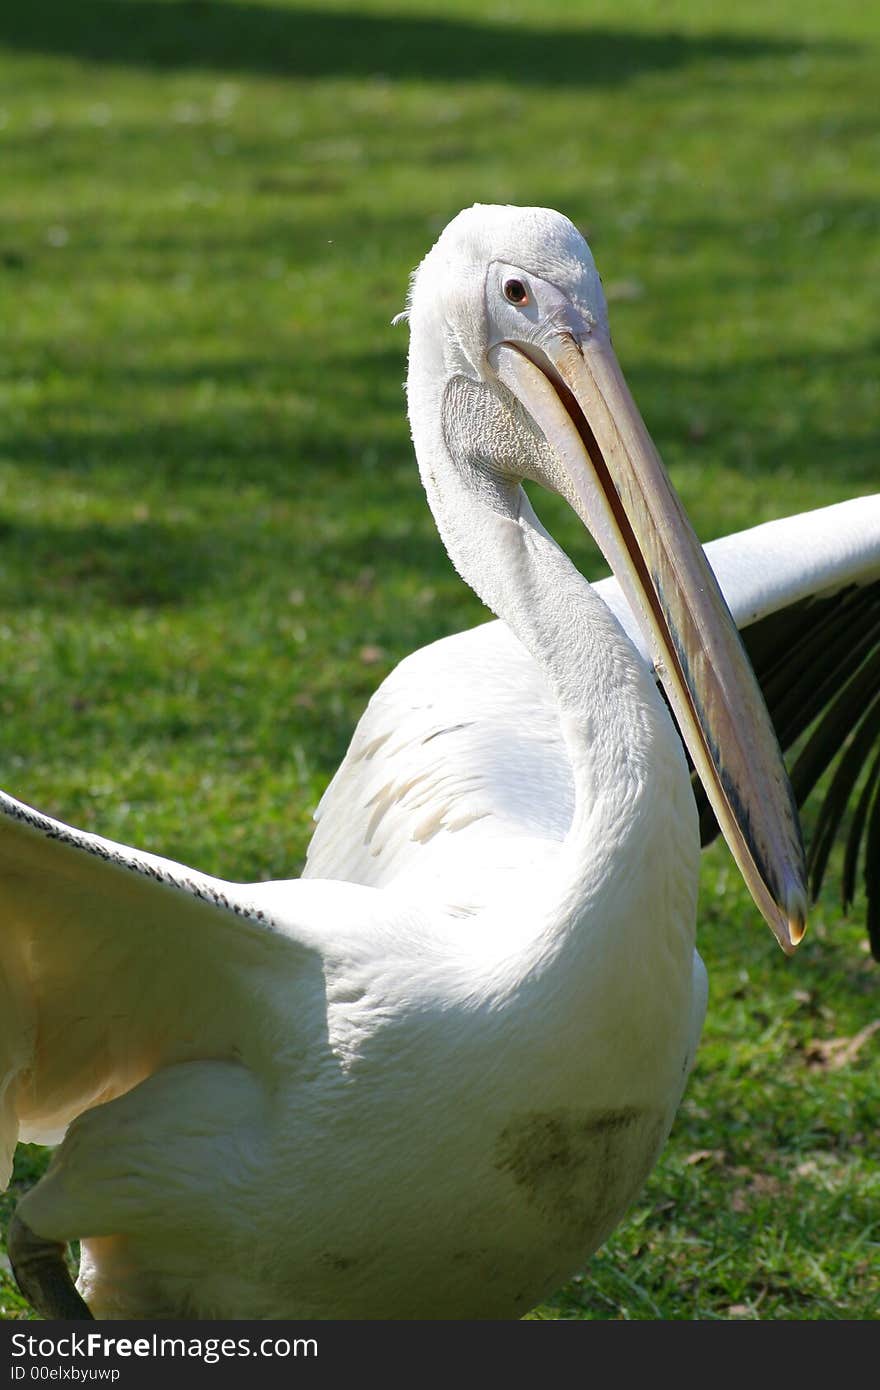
(427, 1079)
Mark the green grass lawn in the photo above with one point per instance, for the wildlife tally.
(213, 542)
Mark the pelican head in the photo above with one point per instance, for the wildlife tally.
(510, 301)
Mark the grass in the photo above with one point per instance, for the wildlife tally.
(214, 543)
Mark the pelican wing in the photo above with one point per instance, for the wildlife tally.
(815, 647)
(114, 962)
(458, 763)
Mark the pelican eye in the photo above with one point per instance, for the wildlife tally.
(515, 292)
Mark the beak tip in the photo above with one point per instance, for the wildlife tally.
(794, 918)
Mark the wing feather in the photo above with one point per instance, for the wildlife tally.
(115, 962)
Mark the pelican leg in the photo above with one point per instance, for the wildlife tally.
(42, 1275)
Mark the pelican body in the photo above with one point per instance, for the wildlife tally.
(428, 1078)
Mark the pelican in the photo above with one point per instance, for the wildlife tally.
(428, 1078)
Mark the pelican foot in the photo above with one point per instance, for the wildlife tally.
(42, 1275)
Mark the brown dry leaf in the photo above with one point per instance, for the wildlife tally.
(702, 1155)
(757, 1185)
(371, 655)
(830, 1054)
(765, 1185)
(807, 1169)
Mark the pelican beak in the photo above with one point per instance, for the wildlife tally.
(612, 476)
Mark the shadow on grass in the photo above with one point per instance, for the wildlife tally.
(305, 42)
(141, 565)
(152, 564)
(242, 441)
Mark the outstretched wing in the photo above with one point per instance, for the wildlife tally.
(459, 760)
(816, 653)
(114, 962)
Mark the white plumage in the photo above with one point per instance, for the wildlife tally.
(462, 741)
(427, 1079)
